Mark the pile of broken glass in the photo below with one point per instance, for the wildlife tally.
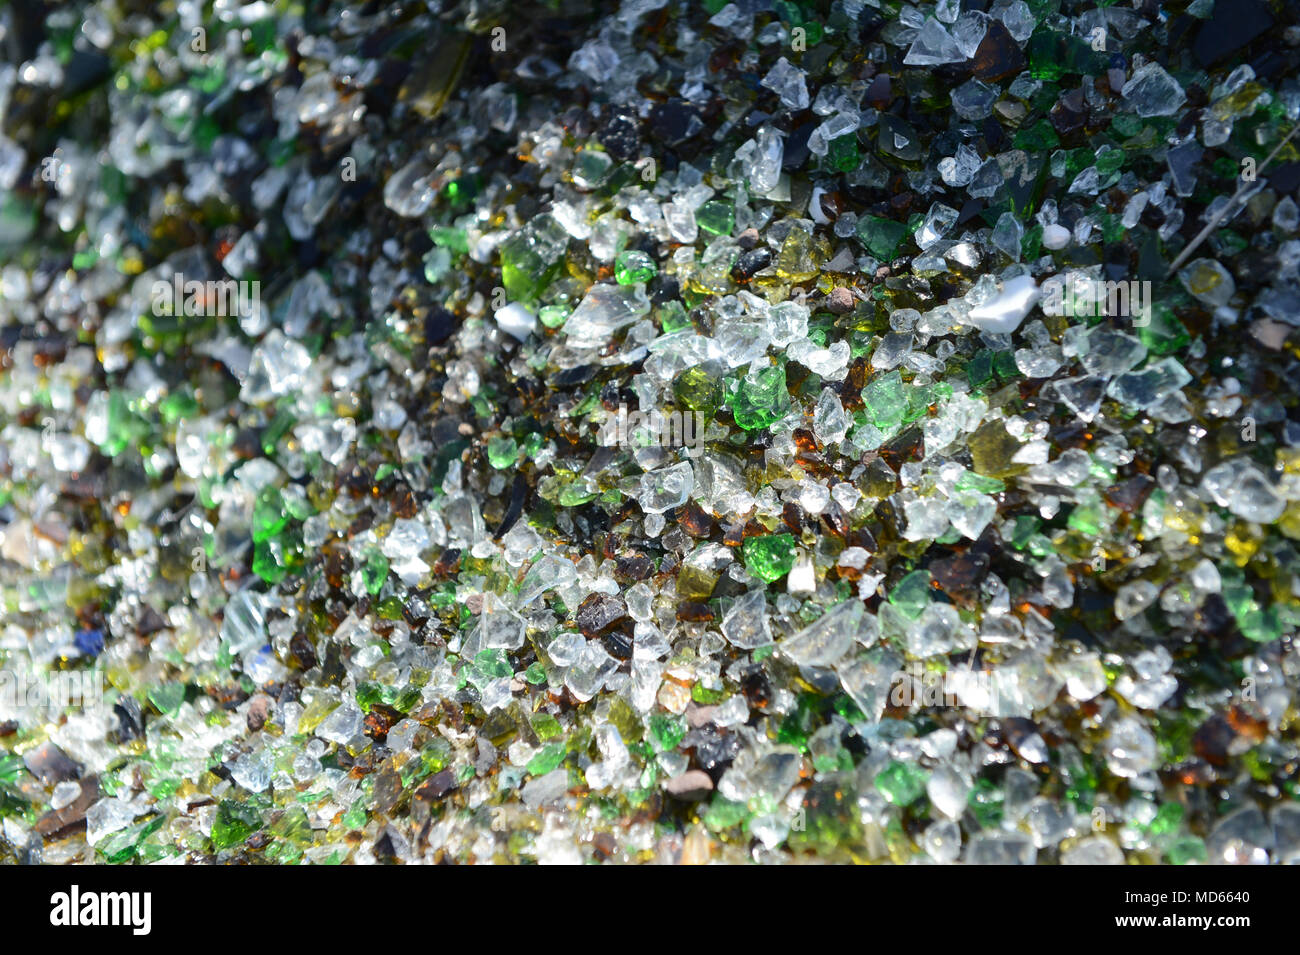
(670, 431)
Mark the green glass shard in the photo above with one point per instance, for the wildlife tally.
(531, 258)
(760, 398)
(632, 266)
(881, 237)
(716, 217)
(770, 557)
(901, 783)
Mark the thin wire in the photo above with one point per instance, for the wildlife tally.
(1218, 217)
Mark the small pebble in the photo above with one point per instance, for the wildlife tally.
(840, 301)
(692, 784)
(1055, 236)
